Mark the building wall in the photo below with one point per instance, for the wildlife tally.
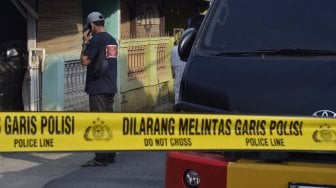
(125, 21)
(110, 10)
(145, 74)
(142, 18)
(59, 27)
(148, 20)
(63, 83)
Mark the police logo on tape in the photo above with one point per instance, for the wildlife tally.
(325, 133)
(98, 131)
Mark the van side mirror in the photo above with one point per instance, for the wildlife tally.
(185, 43)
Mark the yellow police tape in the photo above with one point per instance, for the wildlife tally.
(82, 131)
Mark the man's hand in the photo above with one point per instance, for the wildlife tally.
(86, 36)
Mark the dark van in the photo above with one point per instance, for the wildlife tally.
(265, 57)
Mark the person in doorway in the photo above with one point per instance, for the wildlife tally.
(177, 69)
(99, 54)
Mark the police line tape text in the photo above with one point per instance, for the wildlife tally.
(28, 125)
(255, 142)
(208, 126)
(163, 142)
(33, 143)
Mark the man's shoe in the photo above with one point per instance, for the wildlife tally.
(94, 163)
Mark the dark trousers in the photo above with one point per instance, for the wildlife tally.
(102, 103)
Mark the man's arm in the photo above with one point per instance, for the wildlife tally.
(85, 60)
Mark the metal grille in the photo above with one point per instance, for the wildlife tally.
(136, 62)
(161, 59)
(75, 99)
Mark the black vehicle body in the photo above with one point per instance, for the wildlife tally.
(280, 61)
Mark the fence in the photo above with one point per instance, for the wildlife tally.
(144, 77)
(75, 99)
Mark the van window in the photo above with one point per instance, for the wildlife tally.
(245, 25)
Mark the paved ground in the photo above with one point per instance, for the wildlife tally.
(33, 170)
(62, 170)
(132, 170)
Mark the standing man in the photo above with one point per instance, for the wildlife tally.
(99, 54)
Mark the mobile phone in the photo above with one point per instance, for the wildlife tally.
(89, 33)
(90, 30)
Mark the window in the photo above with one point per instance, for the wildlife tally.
(262, 24)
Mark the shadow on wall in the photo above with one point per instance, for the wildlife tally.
(147, 99)
(145, 90)
(145, 73)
